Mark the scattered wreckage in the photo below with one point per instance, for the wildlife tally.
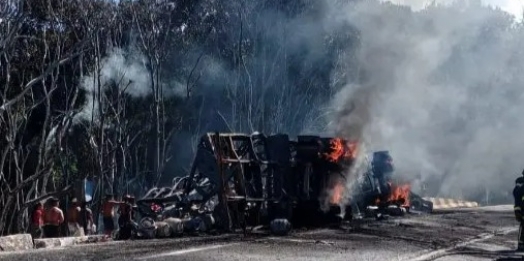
(244, 182)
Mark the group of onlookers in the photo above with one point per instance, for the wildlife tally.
(48, 221)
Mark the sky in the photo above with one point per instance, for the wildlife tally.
(514, 7)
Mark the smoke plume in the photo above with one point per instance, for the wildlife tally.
(513, 7)
(125, 70)
(442, 91)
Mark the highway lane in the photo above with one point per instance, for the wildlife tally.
(470, 234)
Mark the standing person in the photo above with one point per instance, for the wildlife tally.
(108, 214)
(518, 195)
(53, 219)
(126, 217)
(73, 219)
(86, 219)
(37, 220)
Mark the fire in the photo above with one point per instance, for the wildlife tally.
(399, 195)
(336, 195)
(339, 150)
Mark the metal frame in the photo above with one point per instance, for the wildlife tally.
(249, 173)
(234, 158)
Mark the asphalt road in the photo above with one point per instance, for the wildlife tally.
(474, 234)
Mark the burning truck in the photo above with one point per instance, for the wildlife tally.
(240, 181)
(378, 190)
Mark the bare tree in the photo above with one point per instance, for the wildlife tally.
(152, 23)
(31, 128)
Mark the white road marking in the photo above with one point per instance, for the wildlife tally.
(312, 232)
(186, 251)
(59, 248)
(445, 251)
(293, 240)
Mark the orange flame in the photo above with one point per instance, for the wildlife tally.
(339, 150)
(399, 195)
(336, 196)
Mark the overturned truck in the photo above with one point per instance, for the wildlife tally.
(247, 180)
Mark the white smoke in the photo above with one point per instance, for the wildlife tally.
(126, 71)
(513, 7)
(443, 91)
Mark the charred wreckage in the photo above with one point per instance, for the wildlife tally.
(241, 182)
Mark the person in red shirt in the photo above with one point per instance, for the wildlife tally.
(37, 220)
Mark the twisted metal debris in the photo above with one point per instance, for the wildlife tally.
(238, 182)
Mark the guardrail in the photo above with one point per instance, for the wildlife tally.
(447, 203)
